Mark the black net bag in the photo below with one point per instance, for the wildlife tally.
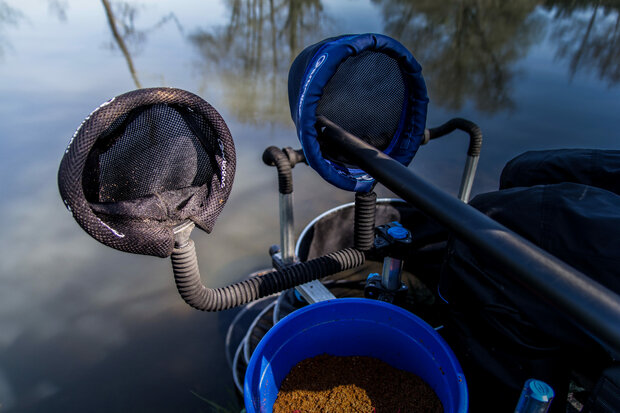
(145, 162)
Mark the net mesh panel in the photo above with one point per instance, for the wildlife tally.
(150, 151)
(366, 97)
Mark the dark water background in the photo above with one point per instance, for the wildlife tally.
(87, 328)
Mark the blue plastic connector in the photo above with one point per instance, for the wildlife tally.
(536, 397)
(372, 274)
(398, 232)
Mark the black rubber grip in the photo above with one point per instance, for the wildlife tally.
(475, 134)
(274, 156)
(295, 156)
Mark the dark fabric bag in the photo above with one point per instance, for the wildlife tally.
(605, 397)
(567, 203)
(599, 168)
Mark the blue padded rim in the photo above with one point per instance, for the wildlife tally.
(310, 73)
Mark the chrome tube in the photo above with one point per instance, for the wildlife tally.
(467, 180)
(391, 274)
(287, 223)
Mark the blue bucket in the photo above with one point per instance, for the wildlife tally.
(354, 327)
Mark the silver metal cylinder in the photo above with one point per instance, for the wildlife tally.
(287, 224)
(181, 233)
(391, 274)
(467, 180)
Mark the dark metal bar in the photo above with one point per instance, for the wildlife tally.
(591, 306)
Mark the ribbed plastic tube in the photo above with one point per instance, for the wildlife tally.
(189, 283)
(364, 229)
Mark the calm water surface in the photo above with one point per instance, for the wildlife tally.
(87, 328)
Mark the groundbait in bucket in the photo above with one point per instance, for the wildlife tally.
(368, 84)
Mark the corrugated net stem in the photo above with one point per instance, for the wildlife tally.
(189, 284)
(364, 227)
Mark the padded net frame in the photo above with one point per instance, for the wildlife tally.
(368, 84)
(145, 162)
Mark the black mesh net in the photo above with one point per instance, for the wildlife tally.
(365, 97)
(145, 162)
(138, 158)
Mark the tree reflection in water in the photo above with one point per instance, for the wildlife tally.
(9, 16)
(468, 49)
(121, 16)
(253, 52)
(120, 39)
(587, 34)
(58, 8)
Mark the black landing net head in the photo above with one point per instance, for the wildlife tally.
(145, 162)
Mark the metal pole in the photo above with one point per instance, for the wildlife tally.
(467, 180)
(591, 306)
(287, 240)
(391, 274)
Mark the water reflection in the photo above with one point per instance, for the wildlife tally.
(9, 16)
(129, 13)
(252, 53)
(469, 49)
(58, 8)
(587, 34)
(121, 17)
